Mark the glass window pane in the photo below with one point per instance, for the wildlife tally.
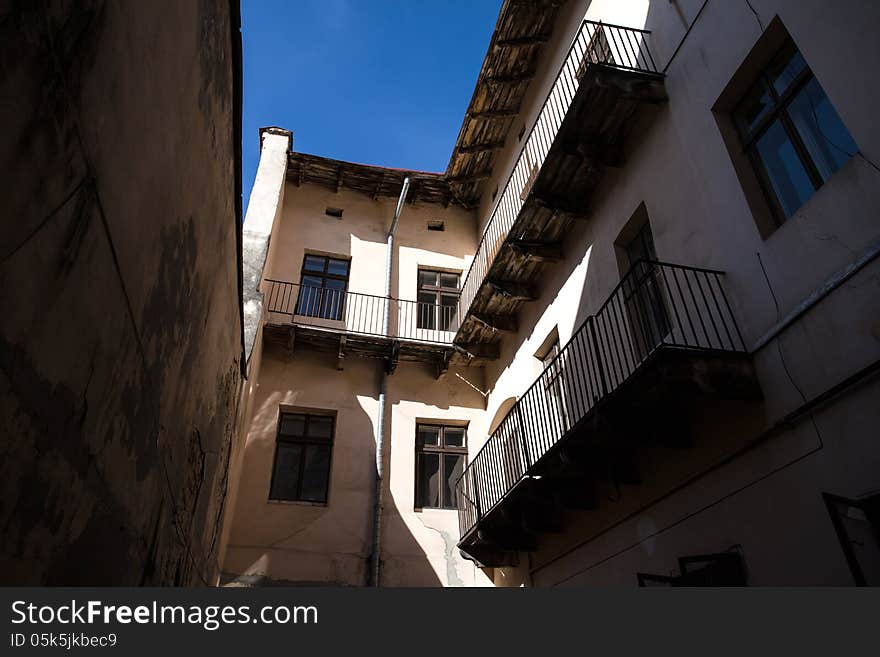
(320, 426)
(447, 310)
(754, 107)
(449, 280)
(454, 436)
(429, 435)
(309, 300)
(819, 126)
(337, 267)
(285, 479)
(785, 171)
(314, 263)
(428, 480)
(427, 310)
(453, 465)
(427, 277)
(333, 299)
(292, 424)
(316, 473)
(785, 68)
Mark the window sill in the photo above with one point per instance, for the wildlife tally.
(419, 509)
(297, 502)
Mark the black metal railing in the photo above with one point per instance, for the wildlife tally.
(355, 312)
(656, 305)
(595, 43)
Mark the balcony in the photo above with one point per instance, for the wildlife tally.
(354, 323)
(626, 383)
(607, 75)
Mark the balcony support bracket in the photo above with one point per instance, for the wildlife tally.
(511, 290)
(537, 251)
(496, 323)
(340, 358)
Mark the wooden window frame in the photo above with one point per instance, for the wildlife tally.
(778, 112)
(438, 290)
(441, 449)
(303, 441)
(324, 275)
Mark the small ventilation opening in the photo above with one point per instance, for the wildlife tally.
(436, 225)
(522, 131)
(333, 212)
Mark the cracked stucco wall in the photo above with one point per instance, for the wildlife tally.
(121, 335)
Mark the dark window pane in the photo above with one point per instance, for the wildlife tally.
(785, 171)
(447, 310)
(337, 267)
(819, 126)
(754, 107)
(449, 280)
(309, 300)
(427, 278)
(428, 480)
(285, 479)
(454, 436)
(320, 426)
(314, 263)
(785, 68)
(429, 435)
(316, 473)
(333, 299)
(292, 424)
(453, 465)
(427, 310)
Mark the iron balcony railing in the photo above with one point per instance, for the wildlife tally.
(595, 43)
(656, 305)
(354, 312)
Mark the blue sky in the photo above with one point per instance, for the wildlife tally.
(372, 81)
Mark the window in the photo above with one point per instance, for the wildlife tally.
(791, 132)
(643, 292)
(437, 300)
(554, 364)
(322, 287)
(724, 569)
(441, 452)
(301, 471)
(857, 524)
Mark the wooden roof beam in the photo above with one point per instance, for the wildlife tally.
(470, 177)
(338, 178)
(518, 42)
(509, 78)
(494, 114)
(482, 148)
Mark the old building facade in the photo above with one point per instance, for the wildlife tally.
(629, 336)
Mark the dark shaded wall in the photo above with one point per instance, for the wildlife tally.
(120, 332)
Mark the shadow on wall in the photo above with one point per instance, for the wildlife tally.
(298, 543)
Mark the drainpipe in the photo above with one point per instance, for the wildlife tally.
(383, 375)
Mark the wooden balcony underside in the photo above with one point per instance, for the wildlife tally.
(590, 139)
(639, 440)
(353, 345)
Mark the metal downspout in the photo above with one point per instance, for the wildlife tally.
(375, 557)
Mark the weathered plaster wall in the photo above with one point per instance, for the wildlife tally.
(121, 336)
(303, 542)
